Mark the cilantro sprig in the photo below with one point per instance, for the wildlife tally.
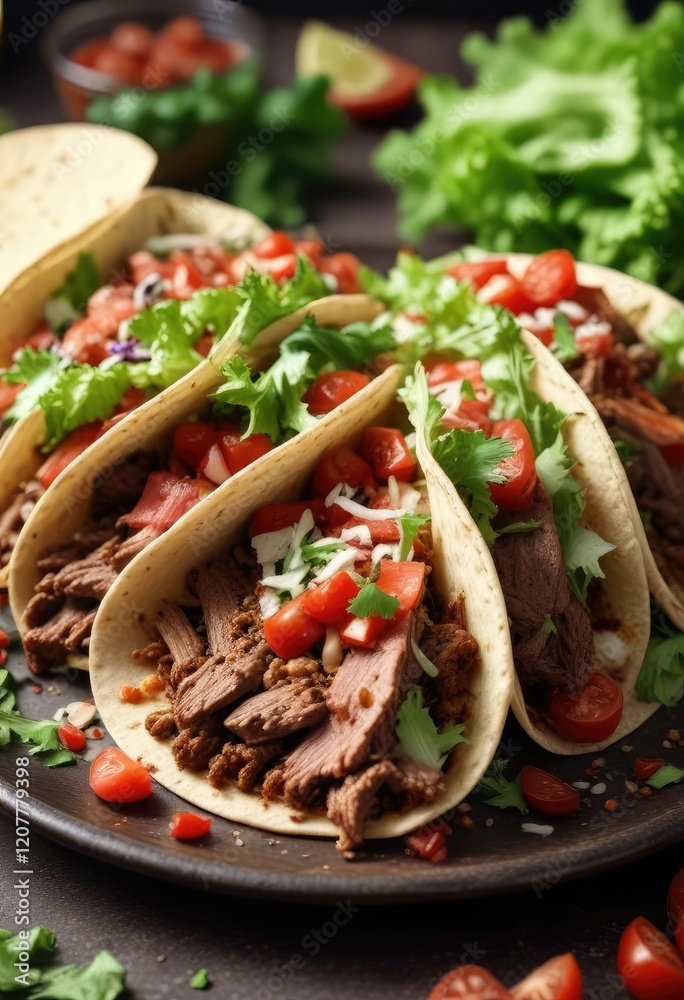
(41, 734)
(370, 600)
(101, 979)
(418, 735)
(499, 791)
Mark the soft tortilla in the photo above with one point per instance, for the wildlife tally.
(126, 621)
(58, 180)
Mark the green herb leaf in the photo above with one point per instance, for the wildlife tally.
(626, 450)
(499, 791)
(40, 945)
(372, 601)
(101, 979)
(661, 677)
(320, 555)
(41, 734)
(419, 736)
(80, 283)
(353, 346)
(409, 526)
(265, 301)
(666, 775)
(38, 370)
(80, 395)
(564, 346)
(548, 626)
(200, 981)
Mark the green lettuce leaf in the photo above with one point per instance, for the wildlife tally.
(668, 340)
(40, 945)
(81, 395)
(80, 283)
(418, 735)
(38, 370)
(101, 979)
(265, 301)
(662, 674)
(666, 775)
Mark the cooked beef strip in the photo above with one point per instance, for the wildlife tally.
(534, 583)
(242, 764)
(88, 577)
(131, 547)
(659, 491)
(82, 544)
(222, 680)
(12, 520)
(454, 652)
(222, 589)
(69, 623)
(178, 633)
(272, 715)
(119, 491)
(363, 701)
(596, 302)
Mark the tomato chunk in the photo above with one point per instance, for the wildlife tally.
(274, 245)
(344, 267)
(429, 841)
(389, 455)
(191, 442)
(478, 272)
(328, 602)
(550, 278)
(189, 826)
(363, 633)
(65, 453)
(274, 516)
(558, 979)
(646, 767)
(403, 580)
(548, 794)
(521, 476)
(648, 964)
(114, 777)
(342, 465)
(291, 631)
(244, 453)
(332, 389)
(505, 290)
(469, 982)
(71, 737)
(455, 371)
(591, 717)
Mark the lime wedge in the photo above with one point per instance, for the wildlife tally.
(355, 68)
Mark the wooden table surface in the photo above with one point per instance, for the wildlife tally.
(160, 932)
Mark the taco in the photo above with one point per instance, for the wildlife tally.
(298, 695)
(510, 430)
(145, 473)
(622, 341)
(203, 268)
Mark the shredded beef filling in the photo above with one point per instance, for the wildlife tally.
(13, 519)
(285, 726)
(553, 640)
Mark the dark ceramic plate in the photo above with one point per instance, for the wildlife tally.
(483, 859)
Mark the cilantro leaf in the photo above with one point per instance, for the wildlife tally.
(666, 775)
(42, 734)
(200, 981)
(409, 526)
(38, 370)
(80, 283)
(501, 792)
(564, 346)
(662, 674)
(40, 945)
(582, 548)
(626, 450)
(419, 736)
(370, 600)
(80, 395)
(351, 347)
(169, 336)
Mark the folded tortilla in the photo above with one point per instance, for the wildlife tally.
(159, 574)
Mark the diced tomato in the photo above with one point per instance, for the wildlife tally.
(274, 245)
(548, 794)
(673, 453)
(381, 532)
(205, 344)
(328, 601)
(389, 455)
(393, 94)
(472, 415)
(344, 267)
(363, 633)
(8, 393)
(283, 268)
(521, 477)
(192, 441)
(133, 38)
(648, 964)
(550, 278)
(479, 272)
(595, 345)
(67, 451)
(333, 388)
(185, 276)
(86, 342)
(189, 826)
(342, 465)
(131, 400)
(646, 767)
(505, 290)
(42, 339)
(291, 631)
(114, 777)
(275, 516)
(455, 371)
(591, 717)
(114, 62)
(142, 264)
(558, 979)
(675, 904)
(403, 580)
(469, 982)
(244, 453)
(4, 639)
(429, 842)
(313, 249)
(214, 466)
(164, 501)
(71, 737)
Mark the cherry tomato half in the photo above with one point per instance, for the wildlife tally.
(389, 455)
(328, 602)
(333, 388)
(189, 826)
(506, 291)
(648, 964)
(550, 277)
(591, 717)
(521, 476)
(290, 631)
(114, 777)
(558, 979)
(478, 272)
(548, 794)
(344, 267)
(71, 737)
(469, 982)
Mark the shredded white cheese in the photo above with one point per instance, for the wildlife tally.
(271, 546)
(368, 513)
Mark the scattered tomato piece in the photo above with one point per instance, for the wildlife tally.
(550, 278)
(332, 389)
(130, 694)
(648, 964)
(4, 639)
(646, 767)
(71, 737)
(478, 272)
(290, 631)
(429, 842)
(189, 826)
(548, 794)
(469, 982)
(114, 777)
(558, 979)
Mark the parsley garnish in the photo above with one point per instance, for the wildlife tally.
(43, 735)
(372, 601)
(101, 979)
(501, 792)
(548, 626)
